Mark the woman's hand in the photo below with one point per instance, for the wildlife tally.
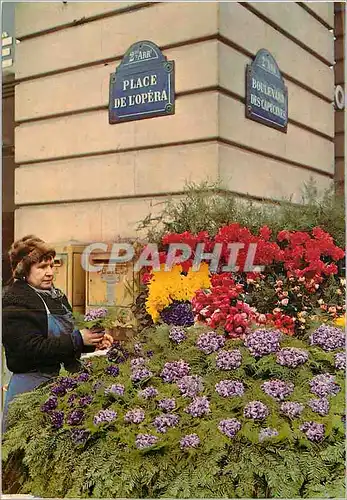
(90, 338)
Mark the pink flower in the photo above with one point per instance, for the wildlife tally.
(284, 302)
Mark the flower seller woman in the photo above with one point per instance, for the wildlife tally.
(38, 331)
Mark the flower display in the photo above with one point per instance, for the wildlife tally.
(277, 389)
(190, 441)
(112, 370)
(75, 417)
(135, 416)
(145, 441)
(83, 377)
(148, 393)
(228, 388)
(340, 361)
(79, 436)
(140, 374)
(262, 342)
(57, 419)
(292, 409)
(177, 334)
(256, 410)
(85, 401)
(190, 385)
(324, 385)
(210, 342)
(292, 357)
(313, 430)
(116, 389)
(166, 287)
(320, 406)
(50, 404)
(167, 404)
(199, 406)
(175, 370)
(229, 360)
(105, 416)
(328, 338)
(229, 427)
(163, 422)
(178, 313)
(267, 433)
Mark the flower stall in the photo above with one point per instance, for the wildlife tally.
(234, 389)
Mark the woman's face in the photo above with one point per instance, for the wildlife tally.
(41, 274)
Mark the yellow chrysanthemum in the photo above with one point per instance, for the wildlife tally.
(167, 286)
(341, 321)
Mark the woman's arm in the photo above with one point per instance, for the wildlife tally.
(24, 338)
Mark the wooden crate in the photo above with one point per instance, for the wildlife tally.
(70, 275)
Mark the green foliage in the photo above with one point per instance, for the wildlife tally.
(109, 465)
(208, 206)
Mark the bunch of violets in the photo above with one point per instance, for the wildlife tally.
(79, 436)
(163, 422)
(324, 385)
(145, 441)
(267, 433)
(140, 373)
(148, 393)
(189, 441)
(313, 431)
(167, 404)
(329, 338)
(135, 416)
(116, 389)
(277, 389)
(228, 388)
(320, 406)
(190, 385)
(84, 401)
(137, 362)
(112, 370)
(105, 416)
(57, 418)
(256, 410)
(117, 353)
(340, 361)
(175, 370)
(198, 407)
(95, 314)
(229, 360)
(263, 342)
(230, 427)
(292, 409)
(292, 357)
(76, 417)
(178, 314)
(210, 342)
(83, 377)
(177, 334)
(63, 385)
(50, 404)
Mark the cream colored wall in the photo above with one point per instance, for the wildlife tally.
(80, 178)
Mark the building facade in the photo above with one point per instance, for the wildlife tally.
(80, 178)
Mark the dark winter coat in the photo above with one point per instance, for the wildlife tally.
(25, 332)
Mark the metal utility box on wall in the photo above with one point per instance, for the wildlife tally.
(69, 274)
(113, 285)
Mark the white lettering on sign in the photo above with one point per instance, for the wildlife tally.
(268, 90)
(140, 55)
(267, 64)
(268, 106)
(139, 83)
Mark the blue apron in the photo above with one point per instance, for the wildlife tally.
(25, 382)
